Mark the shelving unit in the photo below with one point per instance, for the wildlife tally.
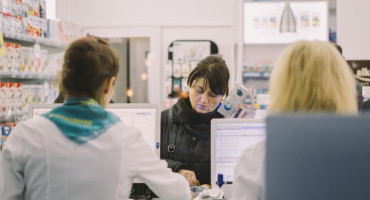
(31, 39)
(12, 117)
(361, 69)
(256, 75)
(28, 76)
(37, 79)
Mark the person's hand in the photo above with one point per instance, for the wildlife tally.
(189, 176)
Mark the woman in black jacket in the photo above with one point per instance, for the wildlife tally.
(185, 127)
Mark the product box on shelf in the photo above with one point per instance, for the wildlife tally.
(17, 7)
(18, 97)
(1, 21)
(44, 61)
(8, 6)
(43, 9)
(40, 94)
(9, 97)
(24, 25)
(8, 22)
(30, 66)
(37, 57)
(8, 59)
(31, 94)
(2, 64)
(5, 130)
(25, 97)
(31, 8)
(1, 5)
(16, 58)
(69, 31)
(3, 91)
(33, 26)
(24, 59)
(18, 24)
(43, 27)
(52, 29)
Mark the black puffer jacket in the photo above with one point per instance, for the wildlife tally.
(185, 139)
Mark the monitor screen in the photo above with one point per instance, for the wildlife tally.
(36, 112)
(144, 117)
(230, 139)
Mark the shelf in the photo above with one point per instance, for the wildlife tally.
(32, 39)
(11, 117)
(256, 75)
(364, 79)
(26, 75)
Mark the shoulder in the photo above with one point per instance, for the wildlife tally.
(34, 126)
(165, 112)
(30, 133)
(166, 115)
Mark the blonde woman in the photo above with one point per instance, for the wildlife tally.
(308, 77)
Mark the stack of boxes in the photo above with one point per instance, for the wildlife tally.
(29, 17)
(15, 97)
(21, 59)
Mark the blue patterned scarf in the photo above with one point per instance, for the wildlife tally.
(81, 119)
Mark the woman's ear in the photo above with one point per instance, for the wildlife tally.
(109, 85)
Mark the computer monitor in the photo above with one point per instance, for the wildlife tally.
(318, 157)
(229, 138)
(35, 110)
(145, 117)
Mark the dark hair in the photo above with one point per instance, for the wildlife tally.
(215, 73)
(339, 48)
(88, 63)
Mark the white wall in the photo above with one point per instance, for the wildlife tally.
(353, 25)
(161, 21)
(146, 12)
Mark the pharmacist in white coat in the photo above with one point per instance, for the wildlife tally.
(79, 150)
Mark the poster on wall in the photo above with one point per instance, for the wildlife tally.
(262, 22)
(183, 56)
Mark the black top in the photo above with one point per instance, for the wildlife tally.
(185, 139)
(365, 107)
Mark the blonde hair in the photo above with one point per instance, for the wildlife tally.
(313, 77)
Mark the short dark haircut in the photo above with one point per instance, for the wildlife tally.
(215, 73)
(88, 63)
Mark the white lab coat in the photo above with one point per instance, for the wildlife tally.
(40, 163)
(249, 173)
